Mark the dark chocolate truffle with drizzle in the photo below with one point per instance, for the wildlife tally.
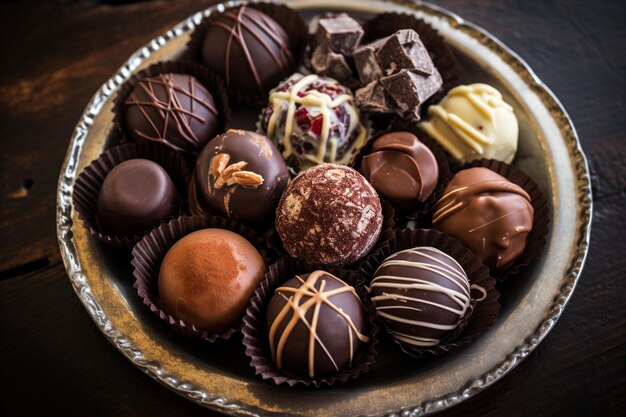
(402, 169)
(421, 295)
(239, 174)
(249, 49)
(316, 325)
(487, 213)
(172, 109)
(136, 195)
(330, 215)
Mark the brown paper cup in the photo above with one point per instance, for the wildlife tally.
(89, 182)
(386, 24)
(211, 81)
(420, 217)
(541, 217)
(295, 28)
(149, 252)
(254, 331)
(481, 315)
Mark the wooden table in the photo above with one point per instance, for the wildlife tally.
(53, 359)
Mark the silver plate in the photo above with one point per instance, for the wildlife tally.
(549, 152)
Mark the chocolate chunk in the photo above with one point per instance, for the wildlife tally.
(366, 64)
(404, 50)
(340, 33)
(374, 98)
(410, 89)
(328, 63)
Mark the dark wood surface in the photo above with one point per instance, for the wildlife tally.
(53, 359)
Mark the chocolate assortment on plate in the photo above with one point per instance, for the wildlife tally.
(288, 234)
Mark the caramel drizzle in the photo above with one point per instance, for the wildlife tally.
(326, 105)
(170, 109)
(458, 198)
(299, 309)
(459, 294)
(268, 27)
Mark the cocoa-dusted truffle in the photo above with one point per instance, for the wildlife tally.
(313, 120)
(316, 325)
(249, 49)
(175, 110)
(239, 174)
(207, 278)
(487, 213)
(136, 195)
(329, 214)
(402, 169)
(421, 294)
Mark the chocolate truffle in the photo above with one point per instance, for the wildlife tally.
(488, 214)
(135, 196)
(474, 122)
(313, 120)
(172, 109)
(239, 174)
(397, 73)
(248, 49)
(207, 278)
(402, 169)
(316, 325)
(421, 294)
(330, 215)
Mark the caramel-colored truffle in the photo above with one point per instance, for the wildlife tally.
(207, 278)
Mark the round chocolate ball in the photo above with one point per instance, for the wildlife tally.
(249, 49)
(314, 120)
(316, 325)
(172, 109)
(207, 278)
(421, 294)
(402, 169)
(330, 215)
(136, 195)
(487, 213)
(239, 174)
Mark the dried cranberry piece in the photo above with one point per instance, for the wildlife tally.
(302, 119)
(316, 125)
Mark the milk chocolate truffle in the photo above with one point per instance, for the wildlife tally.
(172, 109)
(239, 174)
(474, 122)
(316, 325)
(421, 294)
(488, 214)
(135, 196)
(330, 215)
(248, 49)
(314, 120)
(402, 169)
(207, 278)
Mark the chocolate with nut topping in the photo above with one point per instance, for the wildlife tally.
(239, 174)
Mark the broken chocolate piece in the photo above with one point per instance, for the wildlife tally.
(328, 63)
(404, 50)
(340, 33)
(367, 64)
(410, 89)
(374, 98)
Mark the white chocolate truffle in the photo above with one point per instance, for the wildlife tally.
(474, 122)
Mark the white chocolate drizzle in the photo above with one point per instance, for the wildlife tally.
(316, 103)
(299, 302)
(397, 288)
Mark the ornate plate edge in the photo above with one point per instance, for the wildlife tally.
(196, 394)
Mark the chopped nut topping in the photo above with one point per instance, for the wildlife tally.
(247, 179)
(228, 173)
(218, 163)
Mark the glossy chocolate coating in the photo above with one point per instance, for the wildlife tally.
(402, 169)
(421, 294)
(136, 196)
(330, 215)
(248, 49)
(488, 214)
(207, 278)
(327, 335)
(172, 109)
(252, 204)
